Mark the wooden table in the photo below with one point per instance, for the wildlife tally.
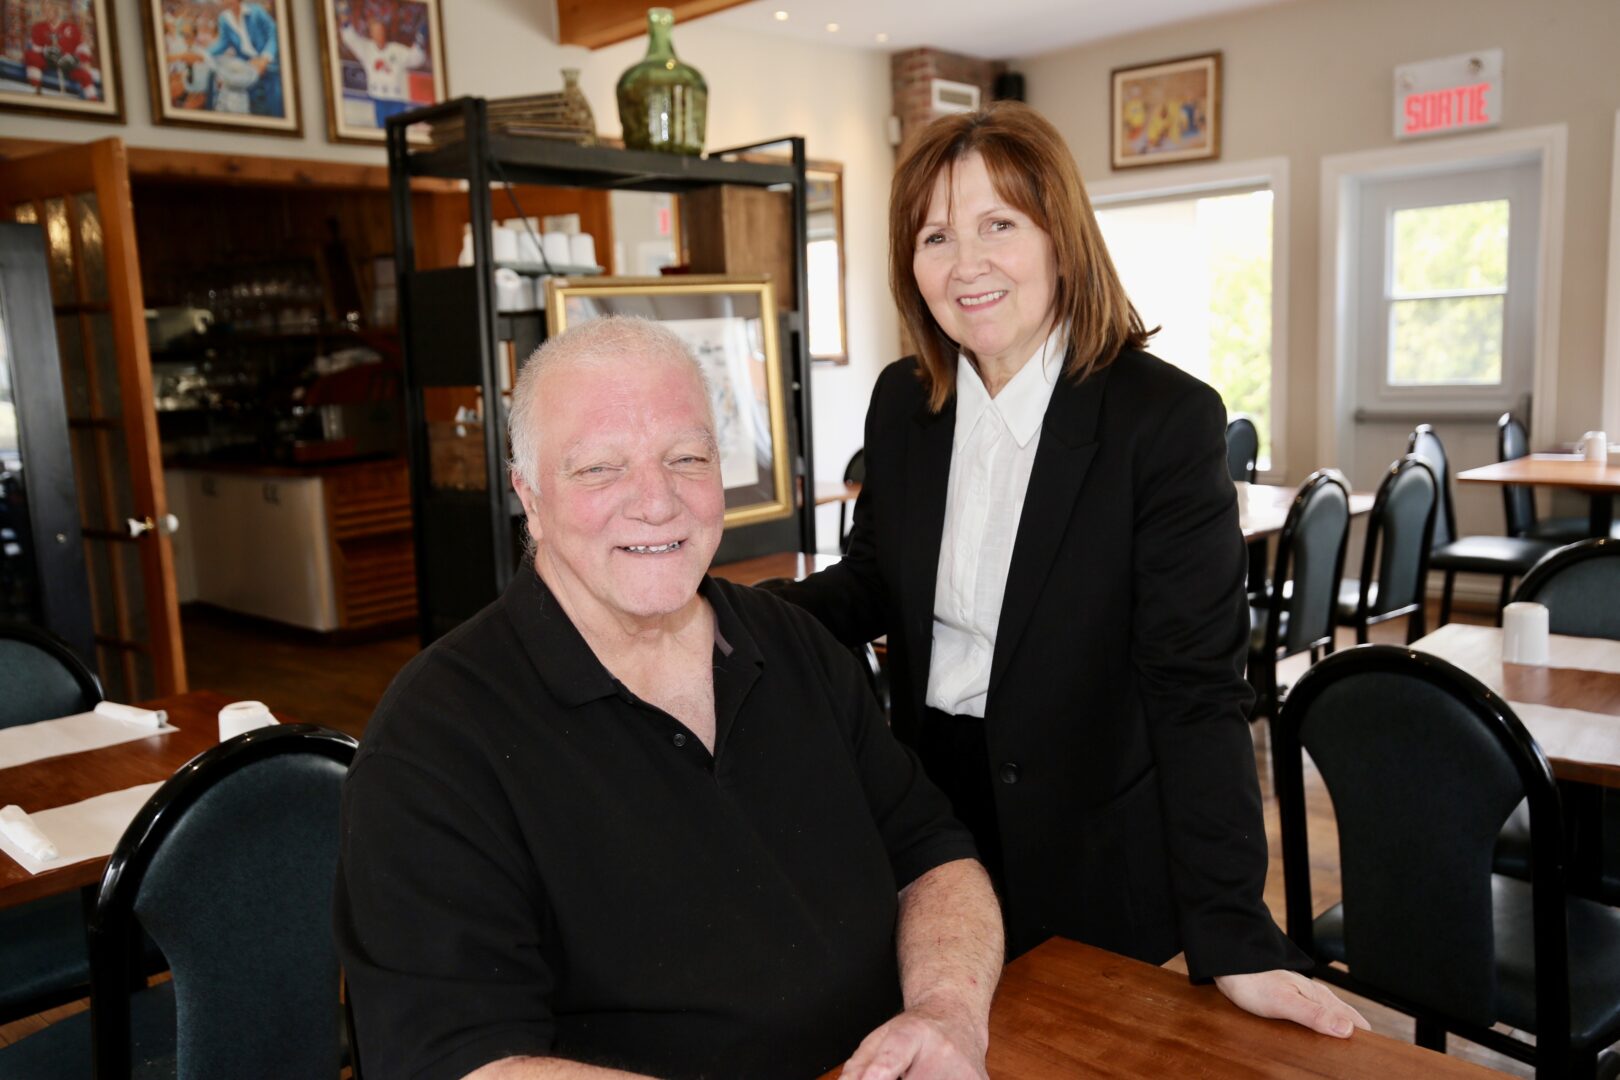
(1598, 479)
(1581, 749)
(71, 778)
(795, 565)
(1068, 1010)
(1265, 508)
(831, 491)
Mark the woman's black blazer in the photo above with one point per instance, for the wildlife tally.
(1119, 747)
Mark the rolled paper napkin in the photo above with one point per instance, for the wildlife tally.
(21, 830)
(129, 714)
(242, 716)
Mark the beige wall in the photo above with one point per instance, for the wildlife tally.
(1313, 78)
(759, 88)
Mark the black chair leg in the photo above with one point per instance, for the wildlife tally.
(1504, 597)
(1445, 597)
(1416, 623)
(1431, 1035)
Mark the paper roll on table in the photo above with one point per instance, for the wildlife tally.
(1524, 634)
(129, 714)
(21, 830)
(242, 716)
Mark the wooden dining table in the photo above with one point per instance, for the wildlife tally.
(1067, 1010)
(1582, 741)
(1263, 508)
(70, 778)
(1599, 480)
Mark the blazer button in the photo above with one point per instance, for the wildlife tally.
(1009, 773)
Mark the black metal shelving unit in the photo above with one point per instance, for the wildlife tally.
(468, 542)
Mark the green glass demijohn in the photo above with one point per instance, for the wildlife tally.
(663, 103)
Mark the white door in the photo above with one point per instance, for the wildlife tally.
(1445, 326)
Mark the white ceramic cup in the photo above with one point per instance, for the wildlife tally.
(557, 248)
(582, 249)
(1524, 634)
(240, 716)
(504, 243)
(1595, 446)
(528, 244)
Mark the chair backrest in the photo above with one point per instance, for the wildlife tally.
(855, 471)
(1427, 445)
(1580, 584)
(43, 677)
(1423, 765)
(1399, 532)
(230, 868)
(1242, 448)
(1310, 555)
(1518, 504)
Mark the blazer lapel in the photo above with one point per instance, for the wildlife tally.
(1068, 442)
(929, 440)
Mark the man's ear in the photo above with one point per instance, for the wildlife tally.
(530, 500)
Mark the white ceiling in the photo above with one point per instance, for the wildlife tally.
(993, 30)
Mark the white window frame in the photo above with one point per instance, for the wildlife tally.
(1342, 177)
(1194, 180)
(1611, 335)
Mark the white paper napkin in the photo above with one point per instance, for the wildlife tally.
(82, 830)
(69, 735)
(21, 830)
(130, 714)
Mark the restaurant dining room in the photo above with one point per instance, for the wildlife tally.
(544, 538)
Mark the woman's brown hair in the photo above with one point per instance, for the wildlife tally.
(1033, 170)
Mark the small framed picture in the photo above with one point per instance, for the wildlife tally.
(1167, 112)
(729, 322)
(379, 58)
(224, 64)
(60, 58)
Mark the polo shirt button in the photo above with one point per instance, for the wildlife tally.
(1009, 773)
(680, 739)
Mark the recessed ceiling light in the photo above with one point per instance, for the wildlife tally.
(882, 37)
(781, 16)
(832, 28)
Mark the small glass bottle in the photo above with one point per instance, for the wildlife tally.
(663, 103)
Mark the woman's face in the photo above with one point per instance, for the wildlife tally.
(986, 270)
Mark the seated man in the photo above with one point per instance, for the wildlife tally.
(630, 817)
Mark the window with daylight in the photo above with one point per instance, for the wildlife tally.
(1447, 294)
(1212, 299)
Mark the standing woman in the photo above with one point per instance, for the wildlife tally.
(1048, 537)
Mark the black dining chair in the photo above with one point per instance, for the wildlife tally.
(854, 473)
(1299, 615)
(1518, 502)
(1395, 554)
(1242, 449)
(44, 960)
(229, 867)
(1506, 557)
(1423, 763)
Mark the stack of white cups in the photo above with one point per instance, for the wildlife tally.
(1524, 634)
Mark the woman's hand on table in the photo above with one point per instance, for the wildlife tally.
(1288, 995)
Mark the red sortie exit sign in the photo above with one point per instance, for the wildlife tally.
(1458, 93)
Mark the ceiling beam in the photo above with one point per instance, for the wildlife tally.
(595, 23)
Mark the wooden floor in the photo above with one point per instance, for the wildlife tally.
(302, 676)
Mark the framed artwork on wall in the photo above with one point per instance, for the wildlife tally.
(379, 58)
(1166, 112)
(729, 322)
(224, 64)
(60, 58)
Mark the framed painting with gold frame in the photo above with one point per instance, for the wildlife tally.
(729, 323)
(1167, 111)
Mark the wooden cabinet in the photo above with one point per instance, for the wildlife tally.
(368, 514)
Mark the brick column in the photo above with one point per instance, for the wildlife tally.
(913, 70)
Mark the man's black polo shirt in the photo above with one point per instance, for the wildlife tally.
(536, 862)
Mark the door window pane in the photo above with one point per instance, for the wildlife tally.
(1450, 341)
(59, 246)
(1463, 246)
(91, 248)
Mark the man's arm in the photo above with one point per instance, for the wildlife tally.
(951, 952)
(532, 1068)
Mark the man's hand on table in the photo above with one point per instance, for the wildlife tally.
(1288, 995)
(922, 1043)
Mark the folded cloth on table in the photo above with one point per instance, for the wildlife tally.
(130, 714)
(21, 830)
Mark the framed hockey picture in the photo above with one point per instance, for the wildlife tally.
(379, 58)
(223, 64)
(60, 58)
(729, 323)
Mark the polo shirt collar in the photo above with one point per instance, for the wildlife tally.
(572, 673)
(1022, 402)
